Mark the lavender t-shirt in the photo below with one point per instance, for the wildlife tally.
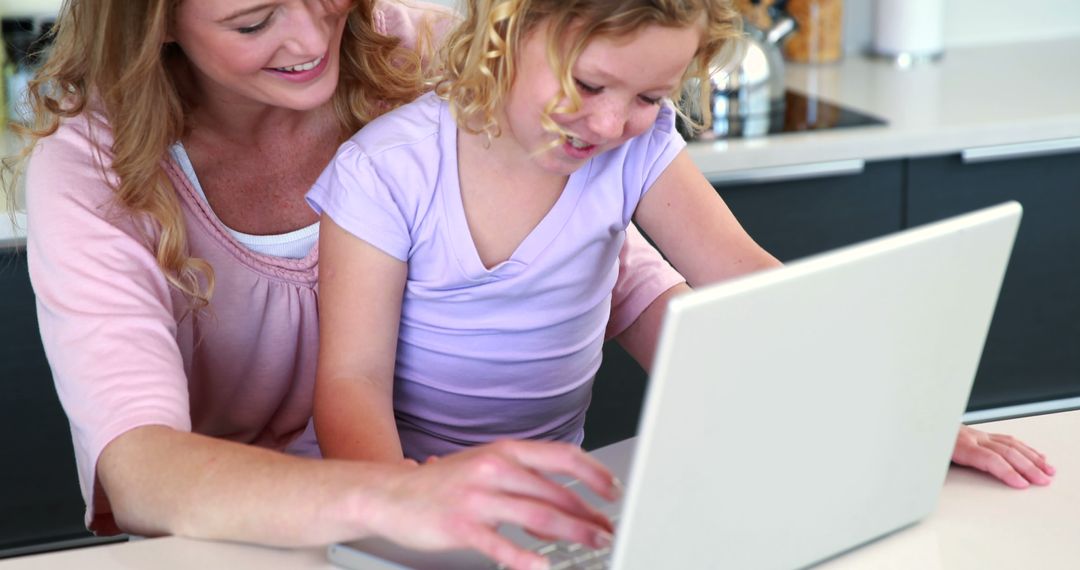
(482, 353)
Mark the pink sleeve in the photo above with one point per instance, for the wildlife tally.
(411, 21)
(643, 276)
(104, 307)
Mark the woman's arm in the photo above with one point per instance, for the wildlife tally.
(162, 481)
(639, 300)
(360, 291)
(110, 332)
(641, 337)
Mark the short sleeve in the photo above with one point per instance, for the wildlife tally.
(643, 276)
(645, 157)
(665, 143)
(359, 200)
(104, 308)
(419, 25)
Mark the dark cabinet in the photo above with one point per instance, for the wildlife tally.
(39, 491)
(1031, 350)
(796, 218)
(790, 219)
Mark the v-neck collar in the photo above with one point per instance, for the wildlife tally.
(537, 240)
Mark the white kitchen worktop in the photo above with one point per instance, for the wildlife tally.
(981, 96)
(979, 523)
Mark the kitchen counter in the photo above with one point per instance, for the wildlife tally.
(979, 523)
(974, 97)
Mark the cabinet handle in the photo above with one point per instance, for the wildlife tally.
(1019, 150)
(788, 172)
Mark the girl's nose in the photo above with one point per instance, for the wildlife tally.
(608, 121)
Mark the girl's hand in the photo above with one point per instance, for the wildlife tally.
(458, 501)
(1003, 456)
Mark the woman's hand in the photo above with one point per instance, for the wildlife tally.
(458, 501)
(1002, 456)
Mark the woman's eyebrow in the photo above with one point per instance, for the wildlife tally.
(246, 11)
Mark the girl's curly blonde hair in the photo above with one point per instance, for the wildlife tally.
(479, 55)
(111, 56)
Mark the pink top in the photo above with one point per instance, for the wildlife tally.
(122, 353)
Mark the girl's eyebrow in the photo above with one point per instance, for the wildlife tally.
(606, 77)
(245, 12)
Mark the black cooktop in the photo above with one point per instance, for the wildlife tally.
(799, 113)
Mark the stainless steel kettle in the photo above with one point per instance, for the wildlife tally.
(747, 82)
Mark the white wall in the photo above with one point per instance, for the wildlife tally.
(29, 7)
(970, 22)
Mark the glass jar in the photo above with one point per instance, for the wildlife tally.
(819, 37)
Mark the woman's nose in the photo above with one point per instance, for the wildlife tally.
(310, 30)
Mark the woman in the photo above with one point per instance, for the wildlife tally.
(171, 254)
(170, 251)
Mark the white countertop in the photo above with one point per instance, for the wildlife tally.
(979, 523)
(973, 97)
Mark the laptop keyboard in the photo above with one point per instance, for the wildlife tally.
(572, 556)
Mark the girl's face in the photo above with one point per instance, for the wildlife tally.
(281, 53)
(622, 82)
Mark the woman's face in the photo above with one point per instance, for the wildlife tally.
(281, 53)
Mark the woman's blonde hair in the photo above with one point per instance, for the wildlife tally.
(479, 54)
(111, 56)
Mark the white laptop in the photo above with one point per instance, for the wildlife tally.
(796, 413)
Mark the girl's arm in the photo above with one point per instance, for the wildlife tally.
(690, 223)
(693, 226)
(360, 290)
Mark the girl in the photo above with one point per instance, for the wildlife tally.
(489, 218)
